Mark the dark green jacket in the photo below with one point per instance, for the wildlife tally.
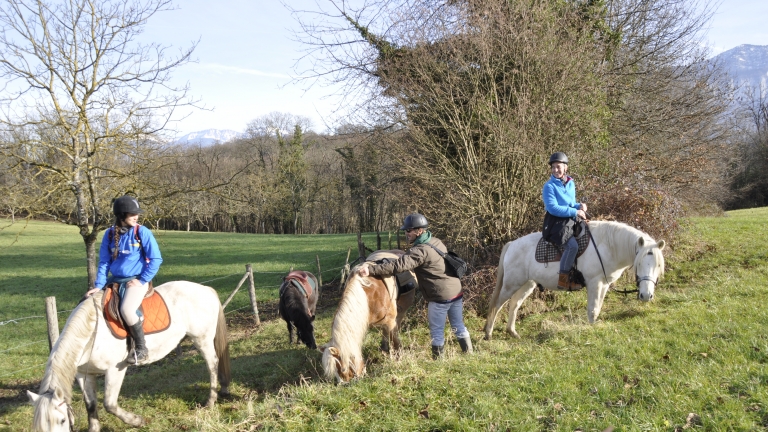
(429, 268)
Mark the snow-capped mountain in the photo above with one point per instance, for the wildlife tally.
(747, 64)
(209, 137)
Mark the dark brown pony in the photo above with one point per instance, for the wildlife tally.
(366, 302)
(298, 299)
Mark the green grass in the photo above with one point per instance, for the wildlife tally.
(699, 349)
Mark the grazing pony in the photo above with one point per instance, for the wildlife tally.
(620, 247)
(86, 348)
(370, 301)
(299, 293)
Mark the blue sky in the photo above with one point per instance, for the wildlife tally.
(245, 57)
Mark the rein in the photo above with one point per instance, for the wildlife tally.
(591, 237)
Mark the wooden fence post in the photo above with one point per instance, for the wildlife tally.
(398, 239)
(224, 306)
(378, 240)
(319, 272)
(252, 292)
(53, 321)
(389, 237)
(360, 245)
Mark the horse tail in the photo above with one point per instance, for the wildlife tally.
(499, 278)
(221, 345)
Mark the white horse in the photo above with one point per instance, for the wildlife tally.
(86, 348)
(620, 247)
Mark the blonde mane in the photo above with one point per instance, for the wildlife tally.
(350, 323)
(61, 367)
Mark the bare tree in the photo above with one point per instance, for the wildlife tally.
(84, 102)
(485, 90)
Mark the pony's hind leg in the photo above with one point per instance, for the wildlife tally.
(113, 380)
(87, 384)
(208, 352)
(500, 296)
(517, 299)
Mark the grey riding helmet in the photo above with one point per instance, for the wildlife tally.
(414, 220)
(558, 157)
(125, 204)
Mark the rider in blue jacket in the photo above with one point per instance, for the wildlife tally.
(130, 253)
(559, 195)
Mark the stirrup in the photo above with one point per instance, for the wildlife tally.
(137, 357)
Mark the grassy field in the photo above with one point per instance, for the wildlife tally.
(694, 358)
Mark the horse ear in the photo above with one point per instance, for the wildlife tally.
(33, 397)
(641, 241)
(58, 393)
(661, 244)
(334, 351)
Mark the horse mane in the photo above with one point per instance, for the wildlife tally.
(623, 239)
(61, 368)
(350, 324)
(41, 420)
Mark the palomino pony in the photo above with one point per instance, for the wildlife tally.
(86, 349)
(370, 301)
(299, 293)
(620, 247)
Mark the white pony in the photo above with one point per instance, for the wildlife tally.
(620, 247)
(86, 348)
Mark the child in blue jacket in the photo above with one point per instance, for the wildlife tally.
(130, 253)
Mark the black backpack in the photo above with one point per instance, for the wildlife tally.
(454, 265)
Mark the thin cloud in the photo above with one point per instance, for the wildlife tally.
(238, 70)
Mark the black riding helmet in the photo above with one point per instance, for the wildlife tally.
(125, 204)
(414, 220)
(558, 157)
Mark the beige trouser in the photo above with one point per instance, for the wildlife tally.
(131, 301)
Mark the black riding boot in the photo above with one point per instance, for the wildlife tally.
(466, 345)
(437, 351)
(139, 353)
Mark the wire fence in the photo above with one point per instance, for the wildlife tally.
(305, 265)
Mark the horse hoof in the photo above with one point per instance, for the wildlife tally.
(487, 337)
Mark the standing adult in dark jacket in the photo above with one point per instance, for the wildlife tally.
(443, 292)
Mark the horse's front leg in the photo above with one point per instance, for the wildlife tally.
(113, 380)
(87, 384)
(596, 291)
(515, 301)
(290, 332)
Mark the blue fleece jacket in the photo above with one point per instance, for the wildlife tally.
(559, 198)
(130, 261)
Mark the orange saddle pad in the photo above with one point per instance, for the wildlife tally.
(156, 316)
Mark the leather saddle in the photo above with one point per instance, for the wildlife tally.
(153, 309)
(302, 281)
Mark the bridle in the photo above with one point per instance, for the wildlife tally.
(70, 413)
(639, 279)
